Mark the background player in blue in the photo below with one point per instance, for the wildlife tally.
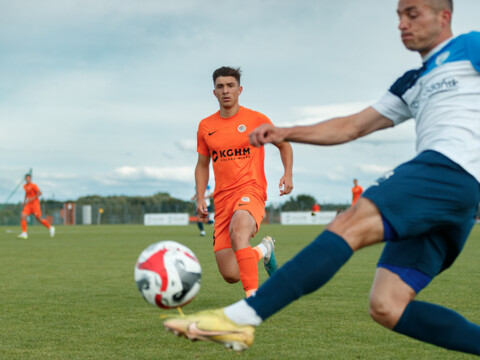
(423, 210)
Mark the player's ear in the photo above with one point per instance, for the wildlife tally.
(446, 17)
(240, 90)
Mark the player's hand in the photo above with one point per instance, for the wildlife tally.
(202, 209)
(286, 185)
(266, 133)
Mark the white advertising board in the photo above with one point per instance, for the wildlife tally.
(306, 217)
(165, 219)
(87, 214)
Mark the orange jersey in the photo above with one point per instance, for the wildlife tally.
(356, 193)
(31, 190)
(236, 163)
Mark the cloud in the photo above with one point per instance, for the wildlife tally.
(307, 115)
(182, 173)
(187, 145)
(105, 96)
(373, 169)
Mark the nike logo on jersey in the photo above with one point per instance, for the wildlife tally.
(211, 133)
(242, 204)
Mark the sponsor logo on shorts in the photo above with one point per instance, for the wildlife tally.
(384, 177)
(245, 199)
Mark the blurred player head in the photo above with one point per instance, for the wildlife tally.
(28, 178)
(227, 86)
(424, 24)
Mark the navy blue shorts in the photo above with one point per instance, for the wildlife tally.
(431, 203)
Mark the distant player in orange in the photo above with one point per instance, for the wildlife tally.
(200, 222)
(31, 205)
(240, 183)
(357, 191)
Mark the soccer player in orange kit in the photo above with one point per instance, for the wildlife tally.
(357, 191)
(32, 206)
(240, 183)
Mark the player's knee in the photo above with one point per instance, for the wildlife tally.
(231, 278)
(239, 237)
(230, 274)
(383, 311)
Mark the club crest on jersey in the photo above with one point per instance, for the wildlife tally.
(241, 128)
(442, 58)
(245, 199)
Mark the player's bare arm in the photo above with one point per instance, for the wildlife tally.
(331, 132)
(201, 181)
(286, 154)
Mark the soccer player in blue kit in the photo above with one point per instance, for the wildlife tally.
(423, 210)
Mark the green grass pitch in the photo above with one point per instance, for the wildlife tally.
(73, 297)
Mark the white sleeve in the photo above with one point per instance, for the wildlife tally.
(393, 108)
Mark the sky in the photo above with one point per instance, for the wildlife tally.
(104, 97)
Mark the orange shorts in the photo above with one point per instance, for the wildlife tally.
(247, 200)
(32, 208)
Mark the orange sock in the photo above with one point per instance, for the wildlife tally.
(23, 224)
(247, 263)
(258, 253)
(45, 223)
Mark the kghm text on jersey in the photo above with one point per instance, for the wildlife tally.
(231, 154)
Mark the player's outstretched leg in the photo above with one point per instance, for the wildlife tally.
(306, 272)
(52, 231)
(214, 326)
(439, 326)
(269, 260)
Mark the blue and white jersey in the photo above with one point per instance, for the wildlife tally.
(443, 97)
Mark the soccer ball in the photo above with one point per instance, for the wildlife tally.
(168, 274)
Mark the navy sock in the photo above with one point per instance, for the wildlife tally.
(439, 326)
(306, 272)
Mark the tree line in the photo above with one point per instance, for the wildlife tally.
(131, 209)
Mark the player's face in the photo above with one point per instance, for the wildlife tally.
(420, 25)
(227, 90)
(28, 179)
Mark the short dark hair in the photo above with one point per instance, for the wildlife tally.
(227, 71)
(449, 4)
(439, 5)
